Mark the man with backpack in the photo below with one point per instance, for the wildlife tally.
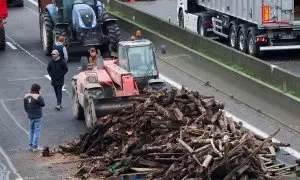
(60, 47)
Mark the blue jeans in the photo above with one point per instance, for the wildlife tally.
(35, 131)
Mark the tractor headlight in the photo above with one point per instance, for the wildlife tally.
(92, 79)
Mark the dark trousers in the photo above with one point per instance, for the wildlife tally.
(58, 93)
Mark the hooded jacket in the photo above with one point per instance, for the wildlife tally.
(33, 104)
(62, 50)
(57, 69)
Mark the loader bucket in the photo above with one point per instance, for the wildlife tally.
(113, 105)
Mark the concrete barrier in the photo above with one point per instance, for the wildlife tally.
(220, 52)
(254, 93)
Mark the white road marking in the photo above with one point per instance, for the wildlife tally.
(289, 150)
(25, 50)
(33, 2)
(10, 164)
(13, 118)
(63, 88)
(31, 10)
(11, 45)
(4, 174)
(26, 79)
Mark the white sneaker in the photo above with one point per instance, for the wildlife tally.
(37, 149)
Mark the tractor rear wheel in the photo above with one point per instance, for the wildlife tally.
(47, 33)
(76, 107)
(19, 3)
(2, 39)
(89, 111)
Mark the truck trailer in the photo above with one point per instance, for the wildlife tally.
(251, 26)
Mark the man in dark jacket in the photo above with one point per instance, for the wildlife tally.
(57, 68)
(33, 103)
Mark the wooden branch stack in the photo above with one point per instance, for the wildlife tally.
(177, 135)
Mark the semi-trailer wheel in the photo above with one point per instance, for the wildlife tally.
(252, 45)
(181, 19)
(233, 35)
(242, 38)
(202, 29)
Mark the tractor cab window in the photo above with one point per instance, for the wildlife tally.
(141, 60)
(123, 61)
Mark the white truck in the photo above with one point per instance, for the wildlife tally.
(251, 26)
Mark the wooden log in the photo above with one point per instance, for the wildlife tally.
(178, 114)
(216, 116)
(207, 161)
(231, 174)
(162, 111)
(231, 125)
(197, 103)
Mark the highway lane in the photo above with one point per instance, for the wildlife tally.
(22, 66)
(166, 9)
(239, 109)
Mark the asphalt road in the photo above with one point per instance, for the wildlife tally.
(166, 9)
(25, 63)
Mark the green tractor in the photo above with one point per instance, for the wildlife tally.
(83, 23)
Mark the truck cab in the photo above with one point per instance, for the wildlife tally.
(191, 16)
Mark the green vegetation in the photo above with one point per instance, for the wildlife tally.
(228, 64)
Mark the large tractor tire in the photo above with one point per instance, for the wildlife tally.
(19, 3)
(78, 111)
(2, 39)
(114, 35)
(112, 30)
(47, 33)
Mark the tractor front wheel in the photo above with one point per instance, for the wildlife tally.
(89, 111)
(2, 39)
(47, 33)
(76, 107)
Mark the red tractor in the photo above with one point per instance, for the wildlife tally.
(3, 16)
(108, 88)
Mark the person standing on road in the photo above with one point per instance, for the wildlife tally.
(60, 47)
(33, 103)
(57, 69)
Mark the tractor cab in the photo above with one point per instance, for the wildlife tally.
(138, 57)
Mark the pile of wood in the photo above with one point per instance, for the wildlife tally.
(176, 135)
